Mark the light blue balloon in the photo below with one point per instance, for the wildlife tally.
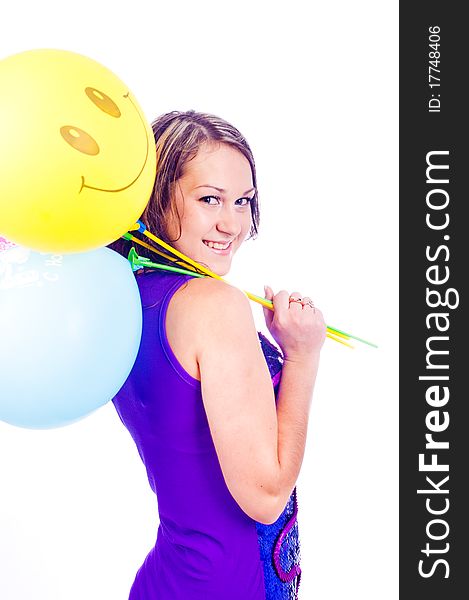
(70, 329)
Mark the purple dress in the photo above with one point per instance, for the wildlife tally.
(207, 548)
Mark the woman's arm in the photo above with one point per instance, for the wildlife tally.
(260, 447)
(301, 336)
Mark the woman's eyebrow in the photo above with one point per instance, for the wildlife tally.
(221, 190)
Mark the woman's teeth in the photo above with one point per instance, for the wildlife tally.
(216, 245)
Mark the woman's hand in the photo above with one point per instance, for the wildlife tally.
(297, 327)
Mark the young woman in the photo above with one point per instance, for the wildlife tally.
(219, 415)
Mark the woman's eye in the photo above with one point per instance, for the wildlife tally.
(206, 199)
(244, 201)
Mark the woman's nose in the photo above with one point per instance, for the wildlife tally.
(229, 221)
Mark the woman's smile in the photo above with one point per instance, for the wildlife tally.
(219, 247)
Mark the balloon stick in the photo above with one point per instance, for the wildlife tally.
(332, 332)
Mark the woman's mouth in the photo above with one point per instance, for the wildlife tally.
(218, 248)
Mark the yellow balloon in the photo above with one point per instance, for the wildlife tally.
(77, 156)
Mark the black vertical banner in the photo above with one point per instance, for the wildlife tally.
(434, 354)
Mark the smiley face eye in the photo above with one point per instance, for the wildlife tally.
(103, 102)
(79, 139)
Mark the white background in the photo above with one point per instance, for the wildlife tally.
(313, 87)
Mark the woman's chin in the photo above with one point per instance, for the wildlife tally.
(220, 265)
(219, 269)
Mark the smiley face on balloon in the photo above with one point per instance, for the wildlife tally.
(77, 156)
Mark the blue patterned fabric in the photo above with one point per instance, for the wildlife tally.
(279, 542)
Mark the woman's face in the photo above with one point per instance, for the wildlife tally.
(213, 200)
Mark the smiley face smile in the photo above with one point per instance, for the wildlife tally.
(91, 187)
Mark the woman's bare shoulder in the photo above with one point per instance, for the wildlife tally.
(201, 311)
(207, 292)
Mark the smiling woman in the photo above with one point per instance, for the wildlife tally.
(178, 139)
(218, 224)
(218, 413)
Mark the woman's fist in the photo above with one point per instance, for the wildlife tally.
(295, 324)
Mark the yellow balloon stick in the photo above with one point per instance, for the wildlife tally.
(139, 226)
(263, 301)
(336, 339)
